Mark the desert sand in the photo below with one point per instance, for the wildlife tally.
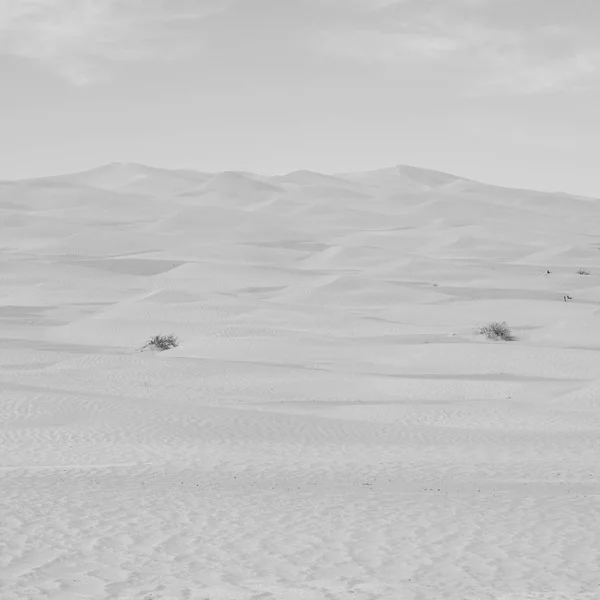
(331, 426)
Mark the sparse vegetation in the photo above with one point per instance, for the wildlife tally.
(497, 331)
(162, 342)
(582, 272)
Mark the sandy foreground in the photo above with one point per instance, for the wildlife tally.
(330, 426)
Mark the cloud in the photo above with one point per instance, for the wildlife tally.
(480, 56)
(368, 45)
(378, 5)
(78, 38)
(363, 5)
(525, 74)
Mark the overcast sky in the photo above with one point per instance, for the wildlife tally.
(505, 91)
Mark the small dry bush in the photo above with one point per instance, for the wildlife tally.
(162, 342)
(497, 331)
(582, 272)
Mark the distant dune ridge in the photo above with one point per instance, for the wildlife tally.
(332, 422)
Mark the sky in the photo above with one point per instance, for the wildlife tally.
(503, 91)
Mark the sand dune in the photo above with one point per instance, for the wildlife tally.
(134, 178)
(330, 425)
(404, 178)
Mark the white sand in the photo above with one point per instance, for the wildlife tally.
(330, 426)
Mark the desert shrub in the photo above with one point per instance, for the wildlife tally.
(497, 331)
(582, 272)
(162, 342)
